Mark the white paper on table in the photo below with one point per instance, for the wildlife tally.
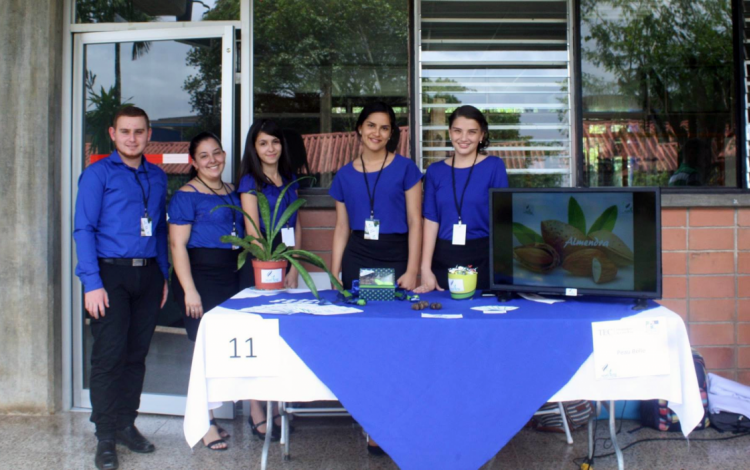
(493, 309)
(242, 346)
(539, 298)
(249, 293)
(285, 306)
(445, 316)
(630, 348)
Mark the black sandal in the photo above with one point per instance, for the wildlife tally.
(261, 435)
(211, 445)
(222, 431)
(278, 426)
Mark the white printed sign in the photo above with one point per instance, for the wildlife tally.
(241, 346)
(456, 285)
(630, 348)
(270, 275)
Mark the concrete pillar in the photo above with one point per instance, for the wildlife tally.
(30, 286)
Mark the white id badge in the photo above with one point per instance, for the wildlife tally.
(459, 234)
(234, 234)
(287, 236)
(372, 229)
(146, 227)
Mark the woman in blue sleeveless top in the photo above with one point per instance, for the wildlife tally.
(456, 203)
(266, 167)
(205, 268)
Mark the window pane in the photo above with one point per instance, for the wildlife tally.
(318, 62)
(146, 11)
(509, 59)
(658, 93)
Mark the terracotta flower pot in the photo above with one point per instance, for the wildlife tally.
(269, 275)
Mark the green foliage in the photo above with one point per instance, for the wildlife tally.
(576, 217)
(261, 246)
(606, 221)
(105, 105)
(525, 235)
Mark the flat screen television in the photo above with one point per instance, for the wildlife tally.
(574, 241)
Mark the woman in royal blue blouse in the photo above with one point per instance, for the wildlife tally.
(266, 167)
(205, 268)
(378, 216)
(456, 203)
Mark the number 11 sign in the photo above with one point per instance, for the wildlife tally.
(241, 346)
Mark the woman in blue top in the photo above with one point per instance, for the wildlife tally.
(266, 167)
(378, 218)
(456, 203)
(205, 269)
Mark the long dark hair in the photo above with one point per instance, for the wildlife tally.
(470, 112)
(381, 107)
(195, 142)
(251, 164)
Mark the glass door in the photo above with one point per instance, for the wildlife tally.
(185, 81)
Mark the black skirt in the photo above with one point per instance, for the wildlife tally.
(475, 253)
(215, 276)
(390, 251)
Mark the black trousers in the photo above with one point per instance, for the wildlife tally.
(216, 278)
(121, 341)
(476, 253)
(391, 250)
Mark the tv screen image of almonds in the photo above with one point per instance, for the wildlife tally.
(590, 248)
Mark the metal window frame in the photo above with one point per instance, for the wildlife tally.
(740, 90)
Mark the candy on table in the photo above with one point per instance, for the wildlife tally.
(462, 270)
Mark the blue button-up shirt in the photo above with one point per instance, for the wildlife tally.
(108, 216)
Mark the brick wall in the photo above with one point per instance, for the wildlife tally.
(706, 265)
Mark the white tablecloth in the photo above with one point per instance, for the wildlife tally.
(296, 382)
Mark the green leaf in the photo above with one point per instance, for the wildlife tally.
(606, 221)
(256, 250)
(317, 261)
(241, 259)
(260, 238)
(265, 214)
(576, 217)
(302, 272)
(525, 235)
(279, 251)
(288, 213)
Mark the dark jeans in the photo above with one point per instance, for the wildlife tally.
(121, 341)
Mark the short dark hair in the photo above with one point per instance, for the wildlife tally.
(193, 147)
(131, 111)
(251, 164)
(470, 112)
(381, 107)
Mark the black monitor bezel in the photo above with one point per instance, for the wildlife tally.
(501, 288)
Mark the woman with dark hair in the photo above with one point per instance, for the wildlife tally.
(378, 216)
(456, 203)
(295, 148)
(266, 168)
(205, 269)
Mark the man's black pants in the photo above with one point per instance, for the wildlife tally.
(121, 341)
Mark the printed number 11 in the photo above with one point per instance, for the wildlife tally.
(234, 342)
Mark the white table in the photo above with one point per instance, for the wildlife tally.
(295, 382)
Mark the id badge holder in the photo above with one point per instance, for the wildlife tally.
(234, 234)
(146, 227)
(459, 234)
(287, 236)
(372, 229)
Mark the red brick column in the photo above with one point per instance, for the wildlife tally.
(706, 267)
(317, 233)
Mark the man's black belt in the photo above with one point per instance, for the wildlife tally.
(128, 261)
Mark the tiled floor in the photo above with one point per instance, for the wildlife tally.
(66, 441)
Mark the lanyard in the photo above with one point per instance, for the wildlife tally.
(143, 192)
(453, 179)
(367, 183)
(229, 203)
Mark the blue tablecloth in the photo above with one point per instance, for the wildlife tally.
(444, 394)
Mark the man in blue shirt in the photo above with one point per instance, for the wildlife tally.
(121, 242)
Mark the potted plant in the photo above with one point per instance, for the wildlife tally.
(271, 261)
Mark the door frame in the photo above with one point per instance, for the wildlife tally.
(73, 160)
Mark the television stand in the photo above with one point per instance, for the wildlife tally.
(504, 296)
(640, 304)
